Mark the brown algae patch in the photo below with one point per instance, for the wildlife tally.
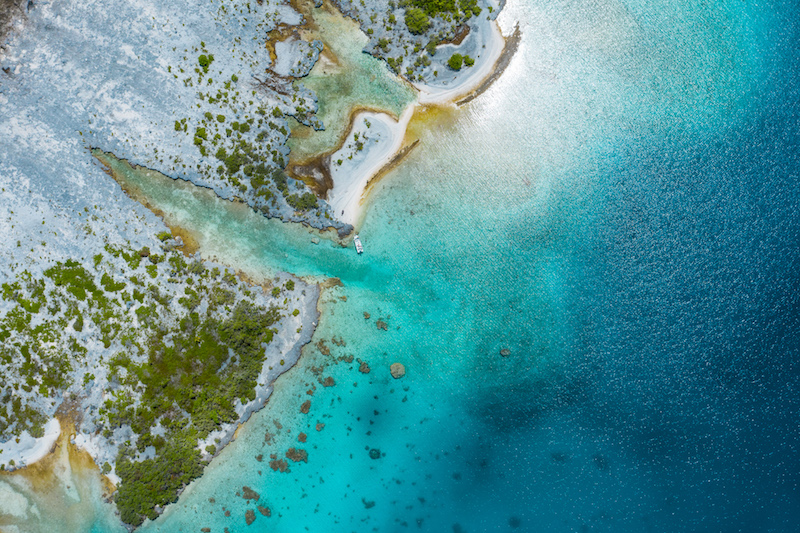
(315, 171)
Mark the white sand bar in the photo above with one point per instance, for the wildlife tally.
(380, 137)
(485, 44)
(29, 449)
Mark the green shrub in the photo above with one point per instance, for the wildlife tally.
(431, 47)
(75, 278)
(155, 482)
(455, 61)
(205, 61)
(417, 21)
(468, 61)
(302, 203)
(434, 7)
(470, 8)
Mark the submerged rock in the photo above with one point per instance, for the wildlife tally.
(297, 455)
(249, 494)
(505, 352)
(397, 370)
(279, 465)
(374, 453)
(249, 516)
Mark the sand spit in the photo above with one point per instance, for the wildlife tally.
(367, 152)
(372, 142)
(485, 43)
(510, 48)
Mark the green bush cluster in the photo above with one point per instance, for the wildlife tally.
(417, 21)
(191, 381)
(302, 202)
(191, 377)
(437, 7)
(205, 60)
(78, 281)
(191, 371)
(151, 482)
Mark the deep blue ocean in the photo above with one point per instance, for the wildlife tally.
(620, 213)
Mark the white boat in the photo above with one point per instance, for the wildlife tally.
(359, 246)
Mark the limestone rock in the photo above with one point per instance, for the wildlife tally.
(397, 370)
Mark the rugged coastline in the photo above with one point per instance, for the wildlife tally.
(159, 355)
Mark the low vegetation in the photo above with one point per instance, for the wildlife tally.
(175, 355)
(417, 21)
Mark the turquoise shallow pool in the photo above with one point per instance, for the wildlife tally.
(619, 212)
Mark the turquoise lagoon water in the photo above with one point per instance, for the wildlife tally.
(619, 211)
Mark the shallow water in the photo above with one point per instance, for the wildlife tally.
(619, 212)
